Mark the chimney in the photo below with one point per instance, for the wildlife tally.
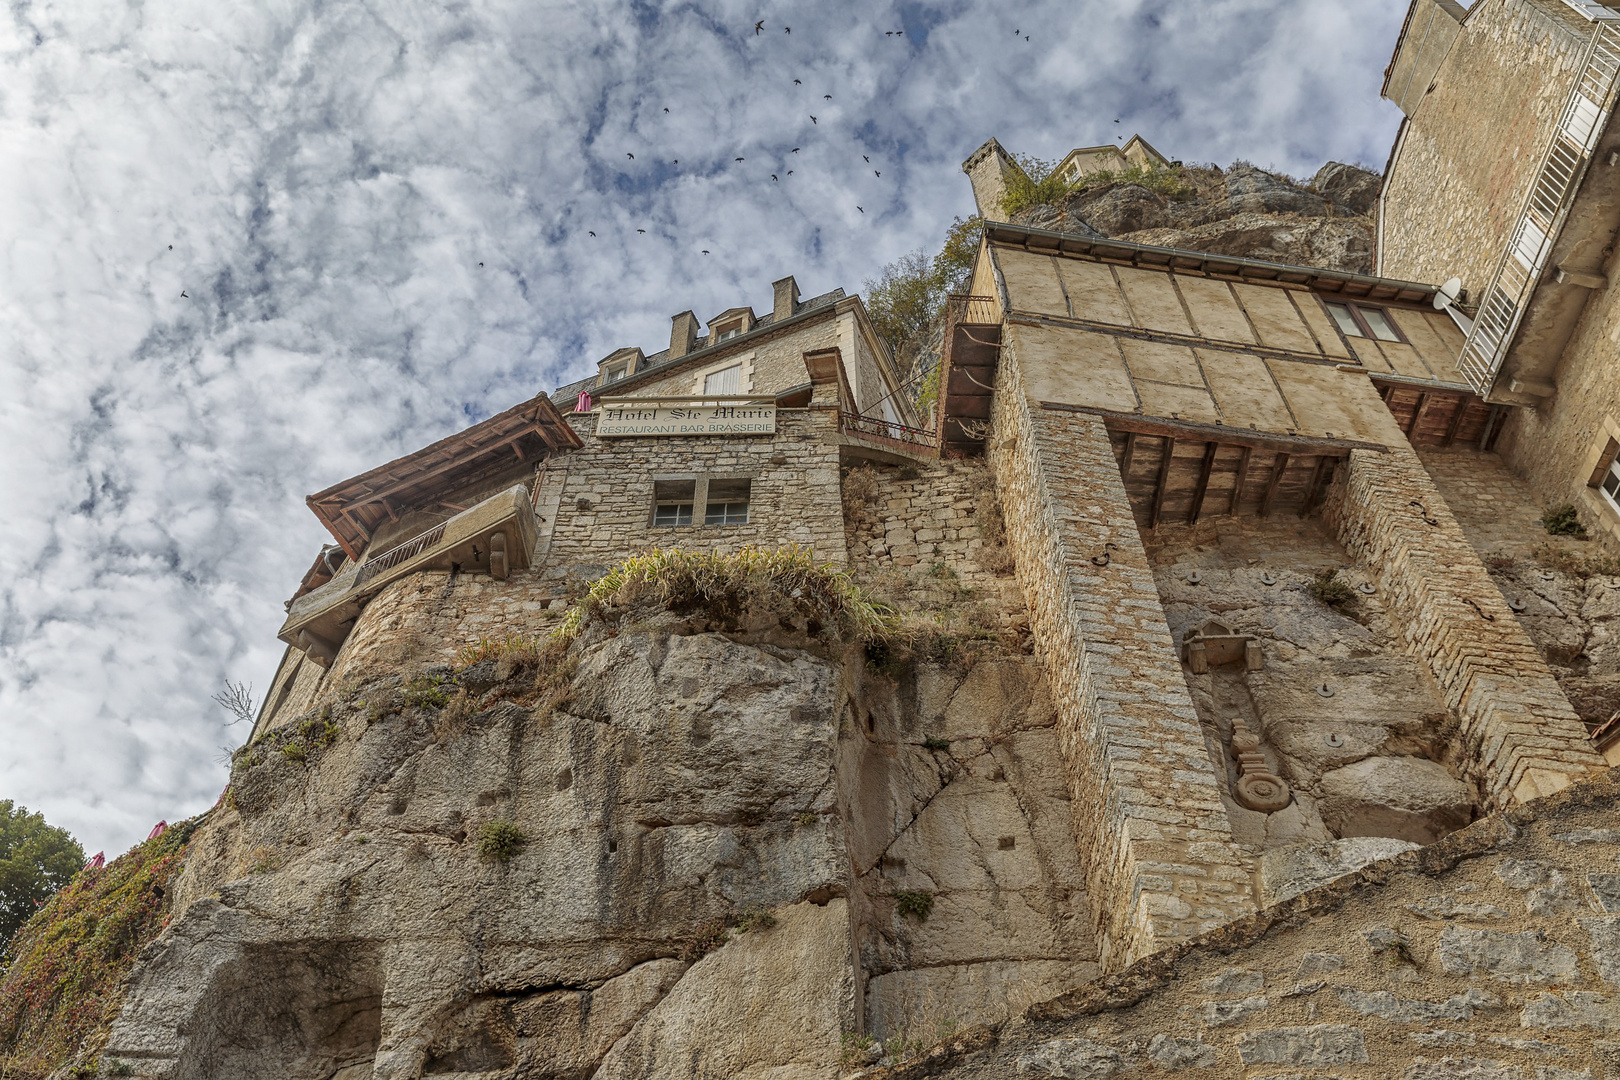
(787, 299)
(682, 334)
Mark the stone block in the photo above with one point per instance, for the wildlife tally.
(1316, 1044)
(1172, 1053)
(1516, 958)
(1406, 797)
(1287, 872)
(1070, 1059)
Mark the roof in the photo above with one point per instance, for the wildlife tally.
(1154, 257)
(352, 510)
(659, 363)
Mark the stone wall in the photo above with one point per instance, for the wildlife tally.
(1160, 861)
(777, 361)
(1492, 955)
(1523, 740)
(1469, 153)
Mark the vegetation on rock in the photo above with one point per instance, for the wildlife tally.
(67, 965)
(1328, 588)
(498, 841)
(36, 859)
(915, 903)
(1562, 521)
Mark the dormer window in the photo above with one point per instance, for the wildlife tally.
(614, 374)
(728, 330)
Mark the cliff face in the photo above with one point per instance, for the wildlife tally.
(673, 853)
(1242, 210)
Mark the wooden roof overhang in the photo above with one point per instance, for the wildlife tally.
(1177, 472)
(1440, 414)
(968, 361)
(353, 509)
(1048, 242)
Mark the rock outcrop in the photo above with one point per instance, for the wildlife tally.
(1241, 211)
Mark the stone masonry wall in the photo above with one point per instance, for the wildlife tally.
(778, 361)
(1523, 739)
(1492, 955)
(1160, 860)
(1468, 155)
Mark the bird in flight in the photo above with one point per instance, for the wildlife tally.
(739, 159)
(1116, 119)
(790, 172)
(795, 149)
(1017, 32)
(796, 82)
(862, 210)
(826, 97)
(480, 264)
(876, 173)
(641, 230)
(813, 120)
(705, 251)
(589, 231)
(666, 108)
(171, 247)
(632, 157)
(757, 28)
(677, 161)
(184, 295)
(866, 159)
(773, 177)
(787, 29)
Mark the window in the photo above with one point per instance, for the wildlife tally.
(727, 503)
(725, 381)
(1611, 484)
(729, 330)
(614, 374)
(672, 502)
(1356, 320)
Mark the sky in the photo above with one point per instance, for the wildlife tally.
(248, 249)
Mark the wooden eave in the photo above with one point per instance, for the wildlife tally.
(352, 510)
(1150, 256)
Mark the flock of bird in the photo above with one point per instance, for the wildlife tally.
(759, 28)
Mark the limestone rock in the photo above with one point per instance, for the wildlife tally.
(1316, 1044)
(1119, 208)
(1516, 958)
(1604, 934)
(1070, 1059)
(1171, 1053)
(1287, 872)
(1351, 190)
(1404, 797)
(1579, 1009)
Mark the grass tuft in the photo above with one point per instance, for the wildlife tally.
(1328, 588)
(499, 841)
(914, 903)
(1562, 520)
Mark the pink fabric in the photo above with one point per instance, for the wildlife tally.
(158, 830)
(97, 861)
(584, 402)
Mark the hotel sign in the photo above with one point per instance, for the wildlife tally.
(659, 418)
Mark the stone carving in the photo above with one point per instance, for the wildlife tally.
(1214, 644)
(1257, 787)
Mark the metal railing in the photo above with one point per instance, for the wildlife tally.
(1562, 165)
(391, 558)
(872, 427)
(977, 310)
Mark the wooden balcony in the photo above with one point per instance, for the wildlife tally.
(494, 537)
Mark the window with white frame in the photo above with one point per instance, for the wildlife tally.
(615, 373)
(727, 380)
(1363, 321)
(1610, 486)
(672, 502)
(727, 503)
(729, 330)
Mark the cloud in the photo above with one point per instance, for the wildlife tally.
(252, 248)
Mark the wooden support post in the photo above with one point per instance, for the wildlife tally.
(1242, 476)
(1125, 459)
(1203, 482)
(1277, 471)
(1164, 481)
(1417, 415)
(1456, 421)
(1315, 488)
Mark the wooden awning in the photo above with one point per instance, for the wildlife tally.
(352, 510)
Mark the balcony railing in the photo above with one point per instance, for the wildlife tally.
(979, 310)
(871, 427)
(1503, 304)
(394, 556)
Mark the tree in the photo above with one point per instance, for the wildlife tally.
(36, 859)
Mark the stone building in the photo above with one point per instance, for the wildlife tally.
(1248, 563)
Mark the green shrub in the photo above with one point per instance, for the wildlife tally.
(1329, 589)
(1167, 180)
(914, 903)
(755, 919)
(432, 692)
(1561, 520)
(294, 751)
(1034, 182)
(498, 841)
(935, 743)
(68, 962)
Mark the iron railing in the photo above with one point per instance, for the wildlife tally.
(391, 558)
(977, 310)
(1563, 164)
(872, 427)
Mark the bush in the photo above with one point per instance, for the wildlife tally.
(69, 960)
(755, 919)
(914, 903)
(1561, 520)
(1167, 180)
(36, 859)
(498, 841)
(933, 742)
(1329, 589)
(522, 649)
(1034, 182)
(907, 297)
(1576, 565)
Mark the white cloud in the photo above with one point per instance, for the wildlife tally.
(241, 247)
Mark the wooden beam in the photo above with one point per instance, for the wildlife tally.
(1485, 433)
(1164, 481)
(1125, 459)
(1203, 481)
(1277, 471)
(1242, 476)
(1230, 436)
(440, 469)
(1417, 415)
(1315, 486)
(1456, 420)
